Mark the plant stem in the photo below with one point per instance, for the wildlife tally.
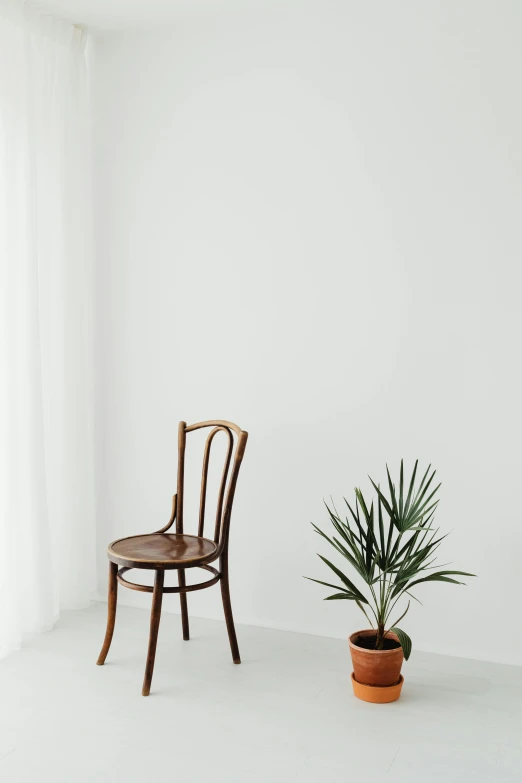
(379, 641)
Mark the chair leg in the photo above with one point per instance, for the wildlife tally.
(225, 594)
(157, 598)
(111, 613)
(184, 607)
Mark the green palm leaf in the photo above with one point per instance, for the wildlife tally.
(405, 641)
(441, 576)
(349, 584)
(326, 584)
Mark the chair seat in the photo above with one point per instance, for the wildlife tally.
(162, 550)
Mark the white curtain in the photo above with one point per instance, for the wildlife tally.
(47, 520)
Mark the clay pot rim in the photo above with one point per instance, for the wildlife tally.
(371, 632)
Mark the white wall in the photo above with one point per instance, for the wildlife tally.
(308, 222)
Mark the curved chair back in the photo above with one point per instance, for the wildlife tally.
(227, 485)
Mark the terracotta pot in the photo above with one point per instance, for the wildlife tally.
(376, 667)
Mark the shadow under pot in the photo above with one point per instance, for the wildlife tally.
(376, 669)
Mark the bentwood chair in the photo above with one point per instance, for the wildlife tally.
(161, 551)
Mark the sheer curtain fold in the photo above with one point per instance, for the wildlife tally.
(47, 515)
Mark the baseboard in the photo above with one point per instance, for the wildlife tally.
(142, 601)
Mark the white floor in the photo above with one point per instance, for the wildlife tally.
(286, 714)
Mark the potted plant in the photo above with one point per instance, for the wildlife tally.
(391, 543)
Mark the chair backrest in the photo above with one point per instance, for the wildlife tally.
(226, 492)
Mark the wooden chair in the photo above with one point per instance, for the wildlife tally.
(160, 551)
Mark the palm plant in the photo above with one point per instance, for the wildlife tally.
(392, 556)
